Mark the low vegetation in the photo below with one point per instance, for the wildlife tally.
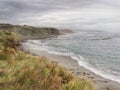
(22, 71)
(30, 32)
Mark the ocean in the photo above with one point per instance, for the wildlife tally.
(98, 51)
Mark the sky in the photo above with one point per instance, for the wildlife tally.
(76, 14)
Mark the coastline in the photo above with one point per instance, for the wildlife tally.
(64, 61)
(99, 82)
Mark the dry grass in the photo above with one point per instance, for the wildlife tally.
(21, 71)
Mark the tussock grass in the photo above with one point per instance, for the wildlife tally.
(21, 71)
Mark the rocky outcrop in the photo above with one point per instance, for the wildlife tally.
(29, 32)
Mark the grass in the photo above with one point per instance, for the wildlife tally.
(22, 71)
(30, 32)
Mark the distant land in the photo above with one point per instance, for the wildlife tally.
(29, 32)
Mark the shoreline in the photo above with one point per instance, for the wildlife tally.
(99, 82)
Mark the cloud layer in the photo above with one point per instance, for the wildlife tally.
(84, 14)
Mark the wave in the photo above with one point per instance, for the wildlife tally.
(39, 45)
(81, 62)
(86, 65)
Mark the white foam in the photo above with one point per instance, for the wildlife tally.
(82, 62)
(32, 45)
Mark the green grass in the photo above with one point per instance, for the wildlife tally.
(22, 71)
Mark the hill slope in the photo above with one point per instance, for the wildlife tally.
(30, 32)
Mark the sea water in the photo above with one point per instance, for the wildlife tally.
(98, 51)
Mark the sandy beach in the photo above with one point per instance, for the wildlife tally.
(99, 82)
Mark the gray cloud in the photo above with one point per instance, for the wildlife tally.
(14, 8)
(60, 12)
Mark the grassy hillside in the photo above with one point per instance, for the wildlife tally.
(22, 71)
(29, 32)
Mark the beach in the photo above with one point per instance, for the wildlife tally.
(93, 47)
(99, 82)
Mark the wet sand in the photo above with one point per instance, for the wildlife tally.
(65, 61)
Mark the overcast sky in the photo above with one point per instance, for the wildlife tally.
(84, 14)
